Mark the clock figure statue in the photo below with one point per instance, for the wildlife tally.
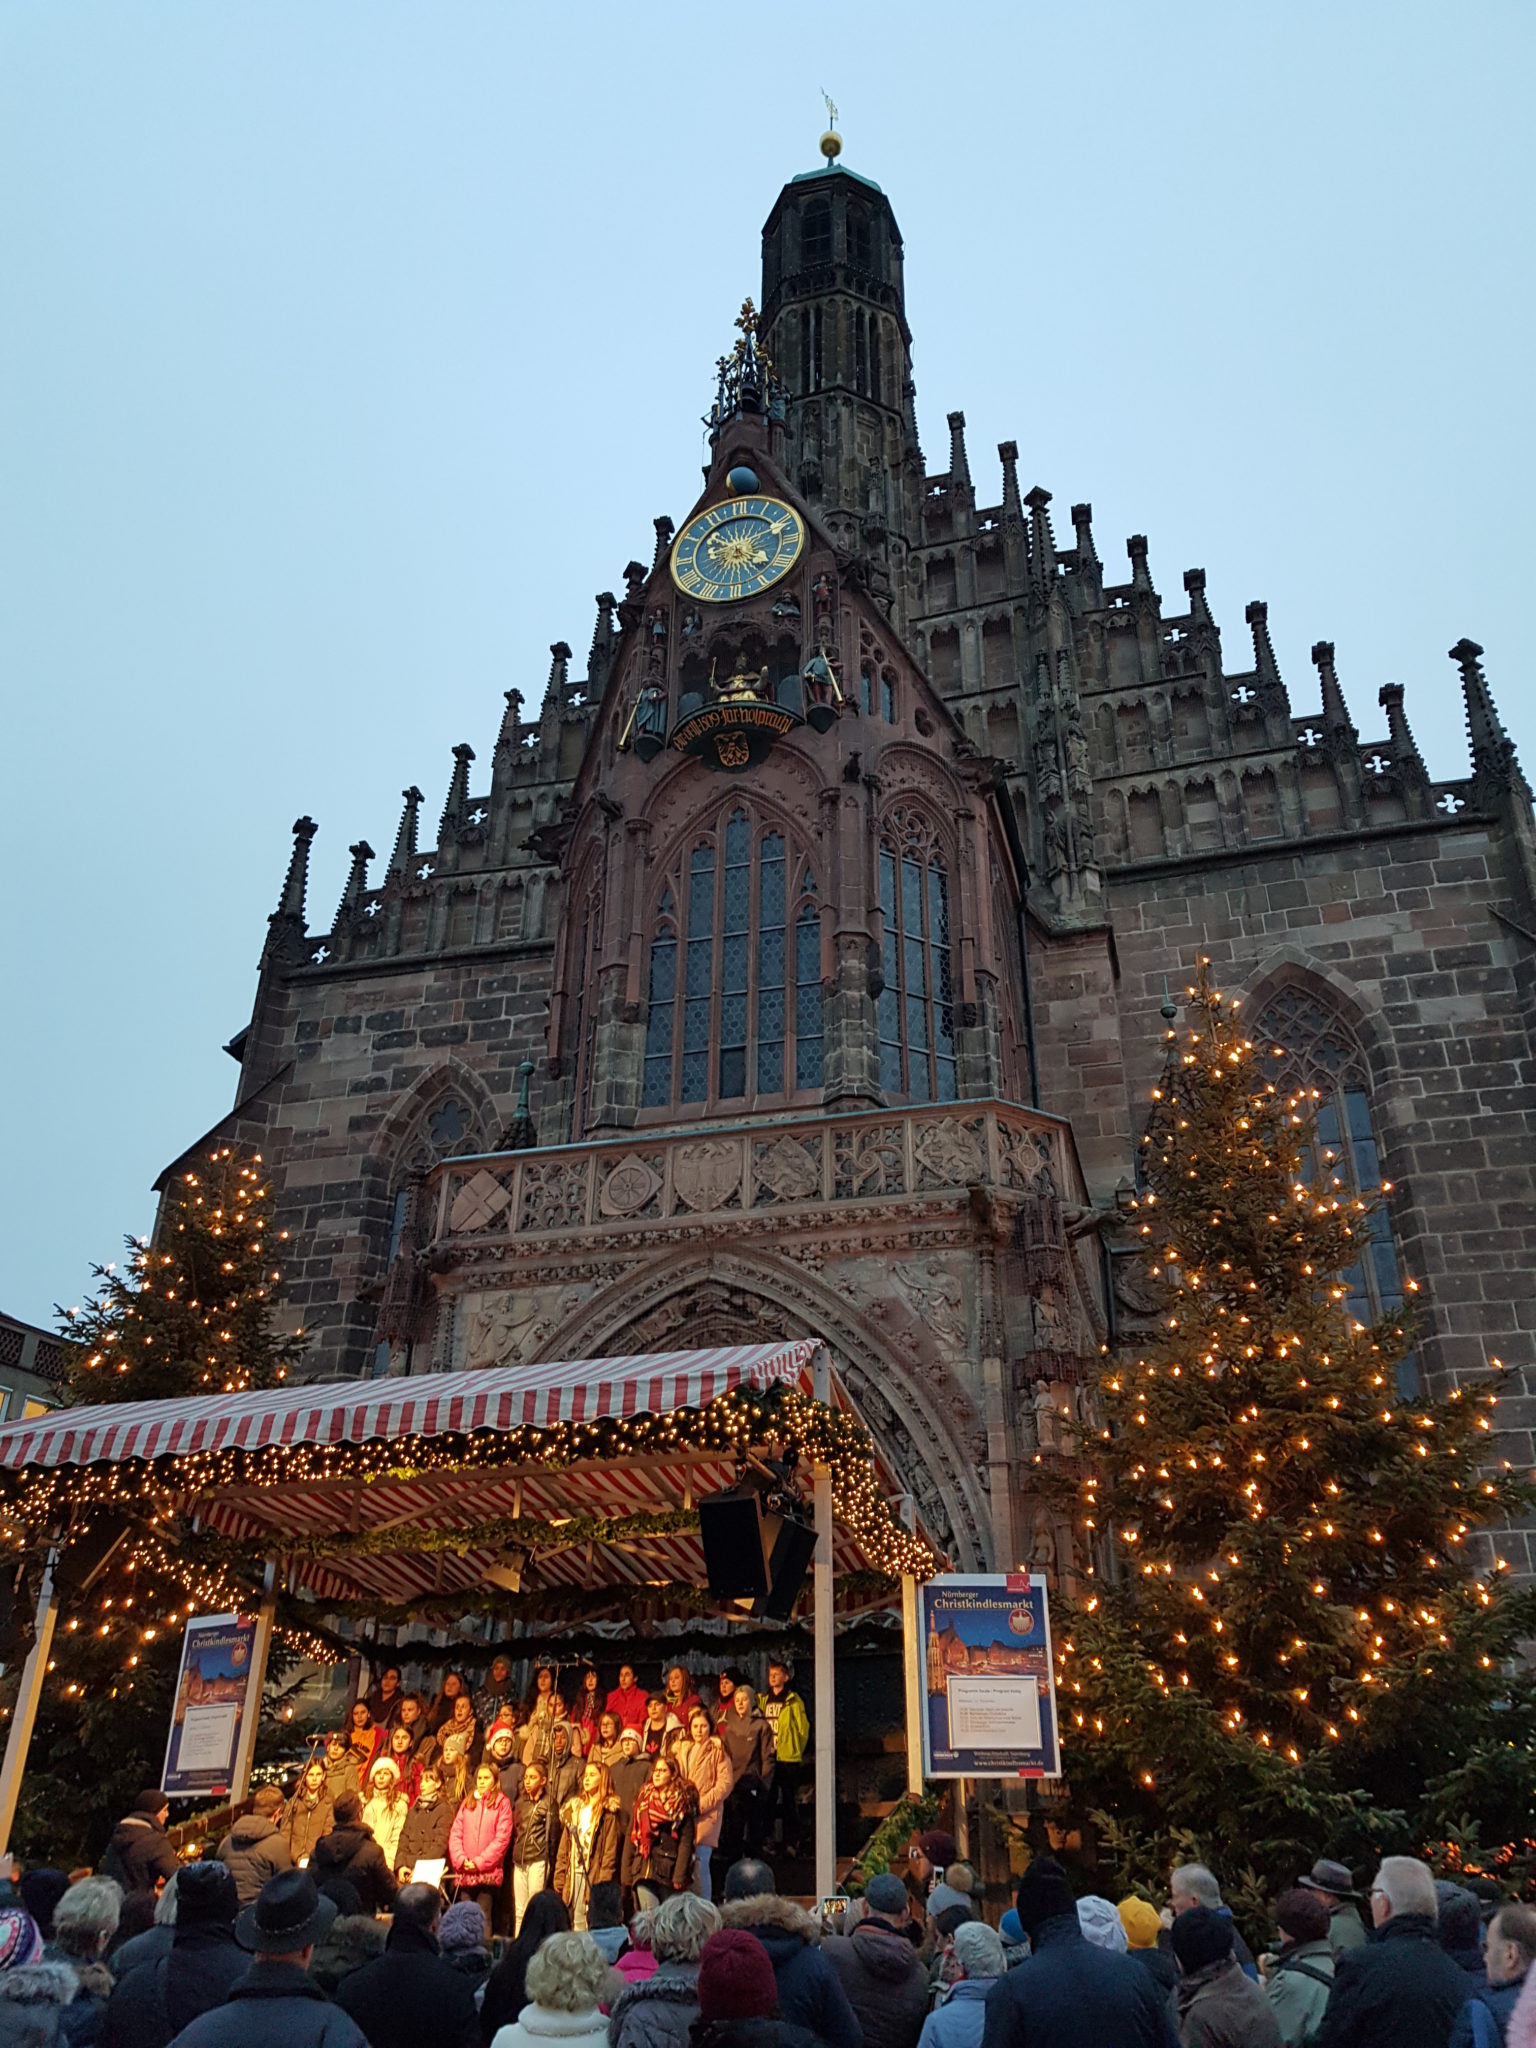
(737, 548)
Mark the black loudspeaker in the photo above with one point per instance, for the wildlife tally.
(793, 1548)
(736, 1540)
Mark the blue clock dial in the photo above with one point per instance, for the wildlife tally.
(737, 548)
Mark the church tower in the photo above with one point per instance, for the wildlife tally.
(835, 327)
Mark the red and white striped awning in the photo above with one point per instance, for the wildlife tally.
(292, 1516)
(437, 1404)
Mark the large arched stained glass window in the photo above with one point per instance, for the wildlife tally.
(1311, 1046)
(916, 1010)
(734, 987)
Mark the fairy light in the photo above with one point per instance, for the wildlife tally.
(1340, 1492)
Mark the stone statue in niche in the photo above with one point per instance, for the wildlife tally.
(1043, 1553)
(936, 1296)
(1056, 1423)
(693, 623)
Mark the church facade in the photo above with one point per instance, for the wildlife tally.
(799, 968)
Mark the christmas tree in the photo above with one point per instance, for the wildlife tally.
(191, 1315)
(1297, 1621)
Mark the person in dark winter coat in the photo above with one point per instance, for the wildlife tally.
(277, 2004)
(1192, 1885)
(84, 1922)
(658, 1850)
(352, 1940)
(1459, 1931)
(152, 2002)
(531, 1859)
(1334, 1884)
(885, 1983)
(506, 1989)
(410, 1995)
(657, 2011)
(34, 1992)
(41, 1891)
(1218, 2006)
(1070, 1994)
(424, 1837)
(811, 1994)
(1510, 1952)
(255, 1847)
(739, 1997)
(629, 1773)
(1402, 1988)
(748, 1743)
(139, 1854)
(462, 1939)
(350, 1851)
(1143, 1927)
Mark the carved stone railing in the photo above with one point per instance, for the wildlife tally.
(711, 1172)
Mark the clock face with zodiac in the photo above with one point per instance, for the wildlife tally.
(737, 548)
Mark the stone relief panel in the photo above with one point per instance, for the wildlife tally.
(786, 1170)
(706, 1176)
(633, 1187)
(870, 1161)
(482, 1201)
(554, 1195)
(509, 1326)
(950, 1154)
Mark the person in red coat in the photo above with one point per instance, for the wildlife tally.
(628, 1699)
(479, 1840)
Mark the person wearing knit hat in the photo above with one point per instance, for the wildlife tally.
(739, 1997)
(1215, 2000)
(1069, 1992)
(21, 1944)
(156, 1998)
(1101, 1923)
(34, 1990)
(960, 2020)
(1143, 1925)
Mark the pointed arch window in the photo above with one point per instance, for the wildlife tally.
(1321, 1052)
(916, 1011)
(734, 983)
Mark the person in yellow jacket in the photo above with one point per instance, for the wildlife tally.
(784, 1711)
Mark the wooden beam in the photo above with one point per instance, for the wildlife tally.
(29, 1693)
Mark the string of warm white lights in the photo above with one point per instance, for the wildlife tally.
(1284, 1544)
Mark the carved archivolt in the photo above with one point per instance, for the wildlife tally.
(727, 1298)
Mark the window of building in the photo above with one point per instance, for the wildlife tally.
(861, 239)
(749, 998)
(816, 233)
(1321, 1052)
(916, 1012)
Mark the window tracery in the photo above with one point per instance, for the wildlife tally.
(734, 980)
(915, 1010)
(1320, 1051)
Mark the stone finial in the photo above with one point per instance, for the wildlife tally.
(290, 904)
(559, 672)
(511, 722)
(1266, 668)
(635, 574)
(403, 859)
(959, 462)
(1042, 542)
(1008, 455)
(1082, 526)
(1141, 575)
(1495, 768)
(1406, 757)
(1194, 586)
(356, 886)
(664, 532)
(456, 809)
(1336, 719)
(602, 633)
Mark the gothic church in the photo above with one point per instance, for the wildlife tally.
(799, 968)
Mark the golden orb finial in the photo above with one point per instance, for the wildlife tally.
(831, 142)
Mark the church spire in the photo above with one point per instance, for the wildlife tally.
(959, 461)
(1082, 526)
(403, 858)
(1042, 542)
(603, 639)
(1495, 768)
(1013, 505)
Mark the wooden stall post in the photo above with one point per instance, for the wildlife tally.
(29, 1693)
(826, 1690)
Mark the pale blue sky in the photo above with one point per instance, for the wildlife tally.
(347, 349)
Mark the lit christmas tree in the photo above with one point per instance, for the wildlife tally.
(1304, 1618)
(192, 1315)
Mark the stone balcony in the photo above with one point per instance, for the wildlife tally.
(784, 1173)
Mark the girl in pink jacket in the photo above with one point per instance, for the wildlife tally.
(479, 1840)
(704, 1763)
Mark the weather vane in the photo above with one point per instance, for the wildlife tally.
(831, 142)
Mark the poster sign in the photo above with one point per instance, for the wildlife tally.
(218, 1656)
(990, 1689)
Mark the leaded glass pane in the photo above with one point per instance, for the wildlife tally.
(887, 700)
(700, 966)
(733, 962)
(663, 970)
(888, 885)
(770, 1013)
(770, 960)
(733, 1071)
(738, 898)
(890, 1067)
(696, 1026)
(658, 1083)
(695, 1075)
(947, 1090)
(701, 892)
(911, 895)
